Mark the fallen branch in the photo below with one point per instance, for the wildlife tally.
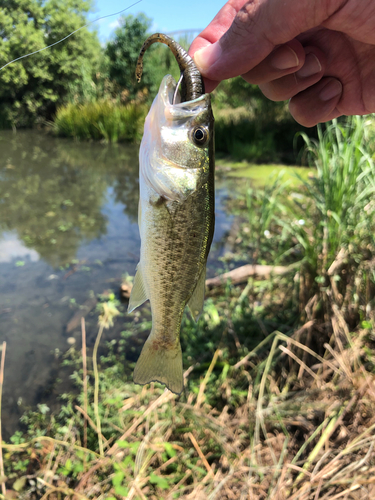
(84, 310)
(236, 276)
(243, 273)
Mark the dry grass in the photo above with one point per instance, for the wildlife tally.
(305, 432)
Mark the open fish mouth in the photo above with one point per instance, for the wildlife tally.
(170, 91)
(170, 95)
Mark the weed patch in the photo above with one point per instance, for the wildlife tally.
(103, 120)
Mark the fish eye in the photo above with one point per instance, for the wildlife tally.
(200, 136)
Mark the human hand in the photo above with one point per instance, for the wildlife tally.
(320, 54)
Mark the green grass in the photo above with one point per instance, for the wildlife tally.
(100, 120)
(261, 174)
(240, 134)
(339, 198)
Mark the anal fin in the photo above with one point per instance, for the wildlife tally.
(138, 294)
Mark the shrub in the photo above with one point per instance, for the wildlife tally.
(100, 120)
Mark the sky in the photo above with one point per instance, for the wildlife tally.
(167, 15)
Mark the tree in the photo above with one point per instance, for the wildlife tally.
(123, 53)
(30, 89)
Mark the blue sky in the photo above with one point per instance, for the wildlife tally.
(167, 15)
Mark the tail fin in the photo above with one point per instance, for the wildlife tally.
(160, 363)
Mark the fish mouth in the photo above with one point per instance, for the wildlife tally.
(171, 97)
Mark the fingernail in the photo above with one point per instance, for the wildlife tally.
(204, 58)
(311, 67)
(284, 58)
(332, 89)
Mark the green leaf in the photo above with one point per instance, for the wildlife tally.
(118, 478)
(170, 450)
(20, 483)
(128, 460)
(121, 490)
(123, 444)
(160, 482)
(320, 279)
(367, 325)
(68, 465)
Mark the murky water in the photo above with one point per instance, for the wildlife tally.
(68, 230)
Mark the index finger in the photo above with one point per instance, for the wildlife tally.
(214, 31)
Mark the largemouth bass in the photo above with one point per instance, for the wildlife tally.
(176, 214)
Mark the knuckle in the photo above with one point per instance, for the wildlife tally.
(247, 15)
(302, 114)
(281, 89)
(248, 24)
(271, 94)
(245, 20)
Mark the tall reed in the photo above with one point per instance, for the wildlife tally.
(339, 199)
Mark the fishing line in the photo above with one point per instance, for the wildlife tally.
(176, 89)
(70, 34)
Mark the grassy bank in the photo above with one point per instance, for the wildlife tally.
(238, 132)
(241, 135)
(102, 120)
(280, 395)
(247, 128)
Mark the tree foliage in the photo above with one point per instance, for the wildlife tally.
(31, 88)
(123, 51)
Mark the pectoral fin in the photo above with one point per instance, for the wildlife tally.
(138, 294)
(195, 303)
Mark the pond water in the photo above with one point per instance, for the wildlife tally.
(68, 231)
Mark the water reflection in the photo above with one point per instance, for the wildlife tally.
(52, 191)
(11, 247)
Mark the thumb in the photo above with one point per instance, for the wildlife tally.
(254, 31)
